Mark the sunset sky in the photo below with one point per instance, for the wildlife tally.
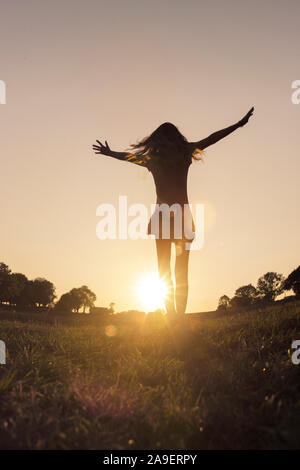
(77, 71)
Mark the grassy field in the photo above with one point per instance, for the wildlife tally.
(220, 383)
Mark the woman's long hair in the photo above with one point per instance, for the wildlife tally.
(164, 145)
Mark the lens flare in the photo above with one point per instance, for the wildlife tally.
(110, 330)
(152, 291)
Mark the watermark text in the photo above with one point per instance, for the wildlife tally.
(167, 221)
(2, 92)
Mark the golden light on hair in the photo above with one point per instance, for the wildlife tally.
(197, 154)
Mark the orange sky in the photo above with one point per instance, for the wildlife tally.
(76, 71)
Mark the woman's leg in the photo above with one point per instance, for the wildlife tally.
(163, 248)
(181, 276)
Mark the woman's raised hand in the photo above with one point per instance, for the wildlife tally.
(103, 149)
(245, 119)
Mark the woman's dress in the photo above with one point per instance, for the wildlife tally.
(172, 218)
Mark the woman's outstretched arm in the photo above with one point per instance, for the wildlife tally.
(124, 156)
(216, 136)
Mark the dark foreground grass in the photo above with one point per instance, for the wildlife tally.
(225, 383)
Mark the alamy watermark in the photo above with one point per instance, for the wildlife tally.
(2, 352)
(167, 221)
(2, 92)
(295, 357)
(296, 94)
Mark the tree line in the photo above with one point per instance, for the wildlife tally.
(19, 292)
(269, 286)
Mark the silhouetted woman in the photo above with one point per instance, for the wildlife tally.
(167, 155)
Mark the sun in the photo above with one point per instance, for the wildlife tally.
(152, 292)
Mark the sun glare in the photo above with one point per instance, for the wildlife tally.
(152, 292)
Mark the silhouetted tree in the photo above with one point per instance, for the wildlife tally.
(16, 286)
(77, 298)
(270, 285)
(65, 303)
(43, 292)
(35, 294)
(4, 276)
(224, 302)
(88, 298)
(26, 297)
(4, 271)
(17, 290)
(292, 282)
(244, 297)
